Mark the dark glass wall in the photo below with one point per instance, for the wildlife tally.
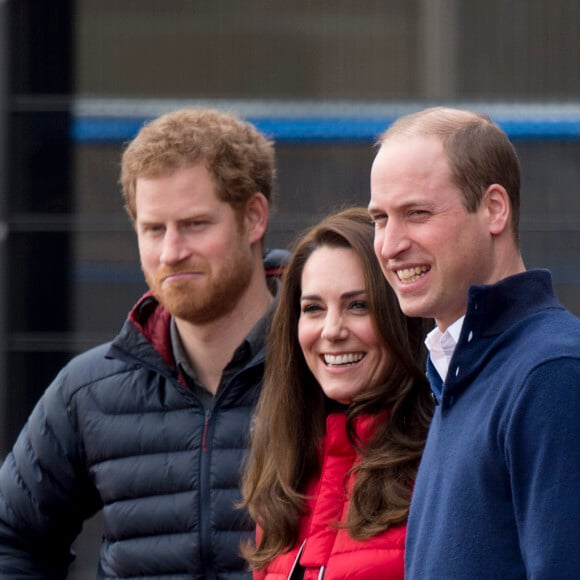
(37, 201)
(70, 269)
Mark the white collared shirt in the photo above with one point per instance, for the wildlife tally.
(441, 346)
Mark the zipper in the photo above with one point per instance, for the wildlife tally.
(295, 566)
(297, 571)
(204, 498)
(205, 430)
(205, 477)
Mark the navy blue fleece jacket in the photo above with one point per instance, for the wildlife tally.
(497, 493)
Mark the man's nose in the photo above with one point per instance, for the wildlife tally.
(391, 240)
(174, 247)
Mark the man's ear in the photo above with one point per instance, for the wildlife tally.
(497, 204)
(256, 217)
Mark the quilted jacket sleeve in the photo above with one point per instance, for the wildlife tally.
(45, 493)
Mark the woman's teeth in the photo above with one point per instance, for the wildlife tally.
(342, 359)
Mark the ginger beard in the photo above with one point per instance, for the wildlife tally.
(211, 295)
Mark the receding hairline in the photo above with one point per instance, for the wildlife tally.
(434, 121)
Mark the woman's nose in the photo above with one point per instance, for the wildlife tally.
(334, 328)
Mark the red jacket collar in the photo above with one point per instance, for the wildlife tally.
(152, 320)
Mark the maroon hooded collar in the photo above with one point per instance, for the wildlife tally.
(152, 320)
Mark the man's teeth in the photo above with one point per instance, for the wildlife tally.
(412, 274)
(342, 359)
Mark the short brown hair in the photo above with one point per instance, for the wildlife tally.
(239, 158)
(478, 151)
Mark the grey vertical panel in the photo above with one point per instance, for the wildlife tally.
(437, 37)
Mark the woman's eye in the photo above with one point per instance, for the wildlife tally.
(359, 305)
(309, 308)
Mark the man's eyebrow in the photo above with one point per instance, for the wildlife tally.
(405, 206)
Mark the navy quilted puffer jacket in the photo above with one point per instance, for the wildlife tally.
(118, 431)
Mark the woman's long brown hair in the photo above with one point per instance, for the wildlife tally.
(291, 413)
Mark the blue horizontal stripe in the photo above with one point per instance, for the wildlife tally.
(93, 129)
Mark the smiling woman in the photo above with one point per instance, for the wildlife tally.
(336, 331)
(345, 406)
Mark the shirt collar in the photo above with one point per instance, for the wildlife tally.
(441, 346)
(181, 360)
(249, 347)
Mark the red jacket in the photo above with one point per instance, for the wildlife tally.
(324, 550)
